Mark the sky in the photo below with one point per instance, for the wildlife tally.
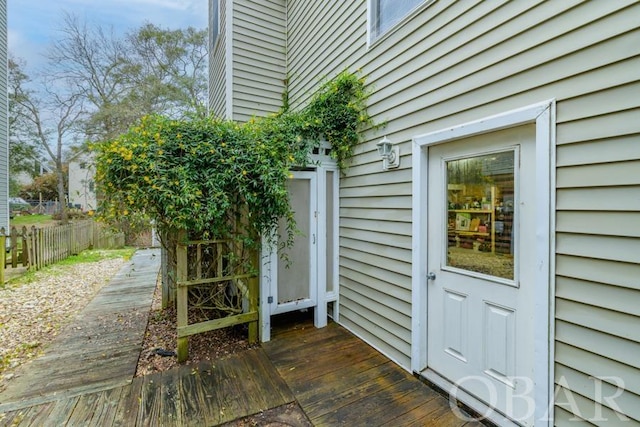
(33, 24)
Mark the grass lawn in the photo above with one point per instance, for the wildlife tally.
(30, 220)
(86, 256)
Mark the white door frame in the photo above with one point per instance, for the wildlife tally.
(543, 115)
(269, 255)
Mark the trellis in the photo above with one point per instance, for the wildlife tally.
(216, 287)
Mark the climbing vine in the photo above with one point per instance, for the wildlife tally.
(199, 175)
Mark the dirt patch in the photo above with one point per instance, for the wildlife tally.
(160, 340)
(158, 354)
(286, 415)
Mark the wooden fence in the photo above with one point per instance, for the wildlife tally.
(35, 247)
(217, 287)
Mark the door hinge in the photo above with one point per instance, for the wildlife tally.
(269, 300)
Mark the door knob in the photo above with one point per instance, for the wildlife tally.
(431, 276)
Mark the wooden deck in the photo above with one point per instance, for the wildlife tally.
(339, 380)
(86, 377)
(335, 378)
(207, 394)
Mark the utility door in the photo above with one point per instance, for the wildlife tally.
(294, 285)
(481, 240)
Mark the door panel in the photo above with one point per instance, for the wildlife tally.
(456, 333)
(295, 280)
(500, 349)
(481, 234)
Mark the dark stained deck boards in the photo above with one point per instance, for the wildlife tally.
(340, 380)
(206, 394)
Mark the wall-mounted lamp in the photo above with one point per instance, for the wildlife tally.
(390, 154)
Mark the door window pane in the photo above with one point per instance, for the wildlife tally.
(386, 13)
(480, 214)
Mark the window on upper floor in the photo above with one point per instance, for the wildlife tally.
(384, 14)
(214, 23)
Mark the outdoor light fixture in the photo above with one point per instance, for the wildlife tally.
(390, 154)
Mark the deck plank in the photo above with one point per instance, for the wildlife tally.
(208, 377)
(62, 410)
(194, 399)
(106, 406)
(355, 397)
(230, 393)
(150, 401)
(126, 412)
(37, 415)
(276, 390)
(327, 388)
(170, 402)
(83, 411)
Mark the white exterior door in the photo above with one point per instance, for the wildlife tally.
(481, 262)
(294, 285)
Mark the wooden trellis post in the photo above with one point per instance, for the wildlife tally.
(244, 279)
(182, 295)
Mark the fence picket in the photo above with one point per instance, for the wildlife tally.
(38, 247)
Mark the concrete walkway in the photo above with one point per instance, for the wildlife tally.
(99, 350)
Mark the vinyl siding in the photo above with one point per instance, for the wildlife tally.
(259, 57)
(4, 136)
(217, 66)
(454, 62)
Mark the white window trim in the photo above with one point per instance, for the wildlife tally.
(217, 18)
(543, 116)
(373, 39)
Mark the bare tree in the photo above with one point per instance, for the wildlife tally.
(50, 115)
(93, 61)
(151, 70)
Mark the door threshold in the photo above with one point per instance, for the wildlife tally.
(475, 409)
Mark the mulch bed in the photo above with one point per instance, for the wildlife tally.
(160, 340)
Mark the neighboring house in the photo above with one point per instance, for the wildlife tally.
(26, 178)
(82, 191)
(501, 259)
(4, 121)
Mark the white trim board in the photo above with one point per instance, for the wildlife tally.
(543, 116)
(228, 62)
